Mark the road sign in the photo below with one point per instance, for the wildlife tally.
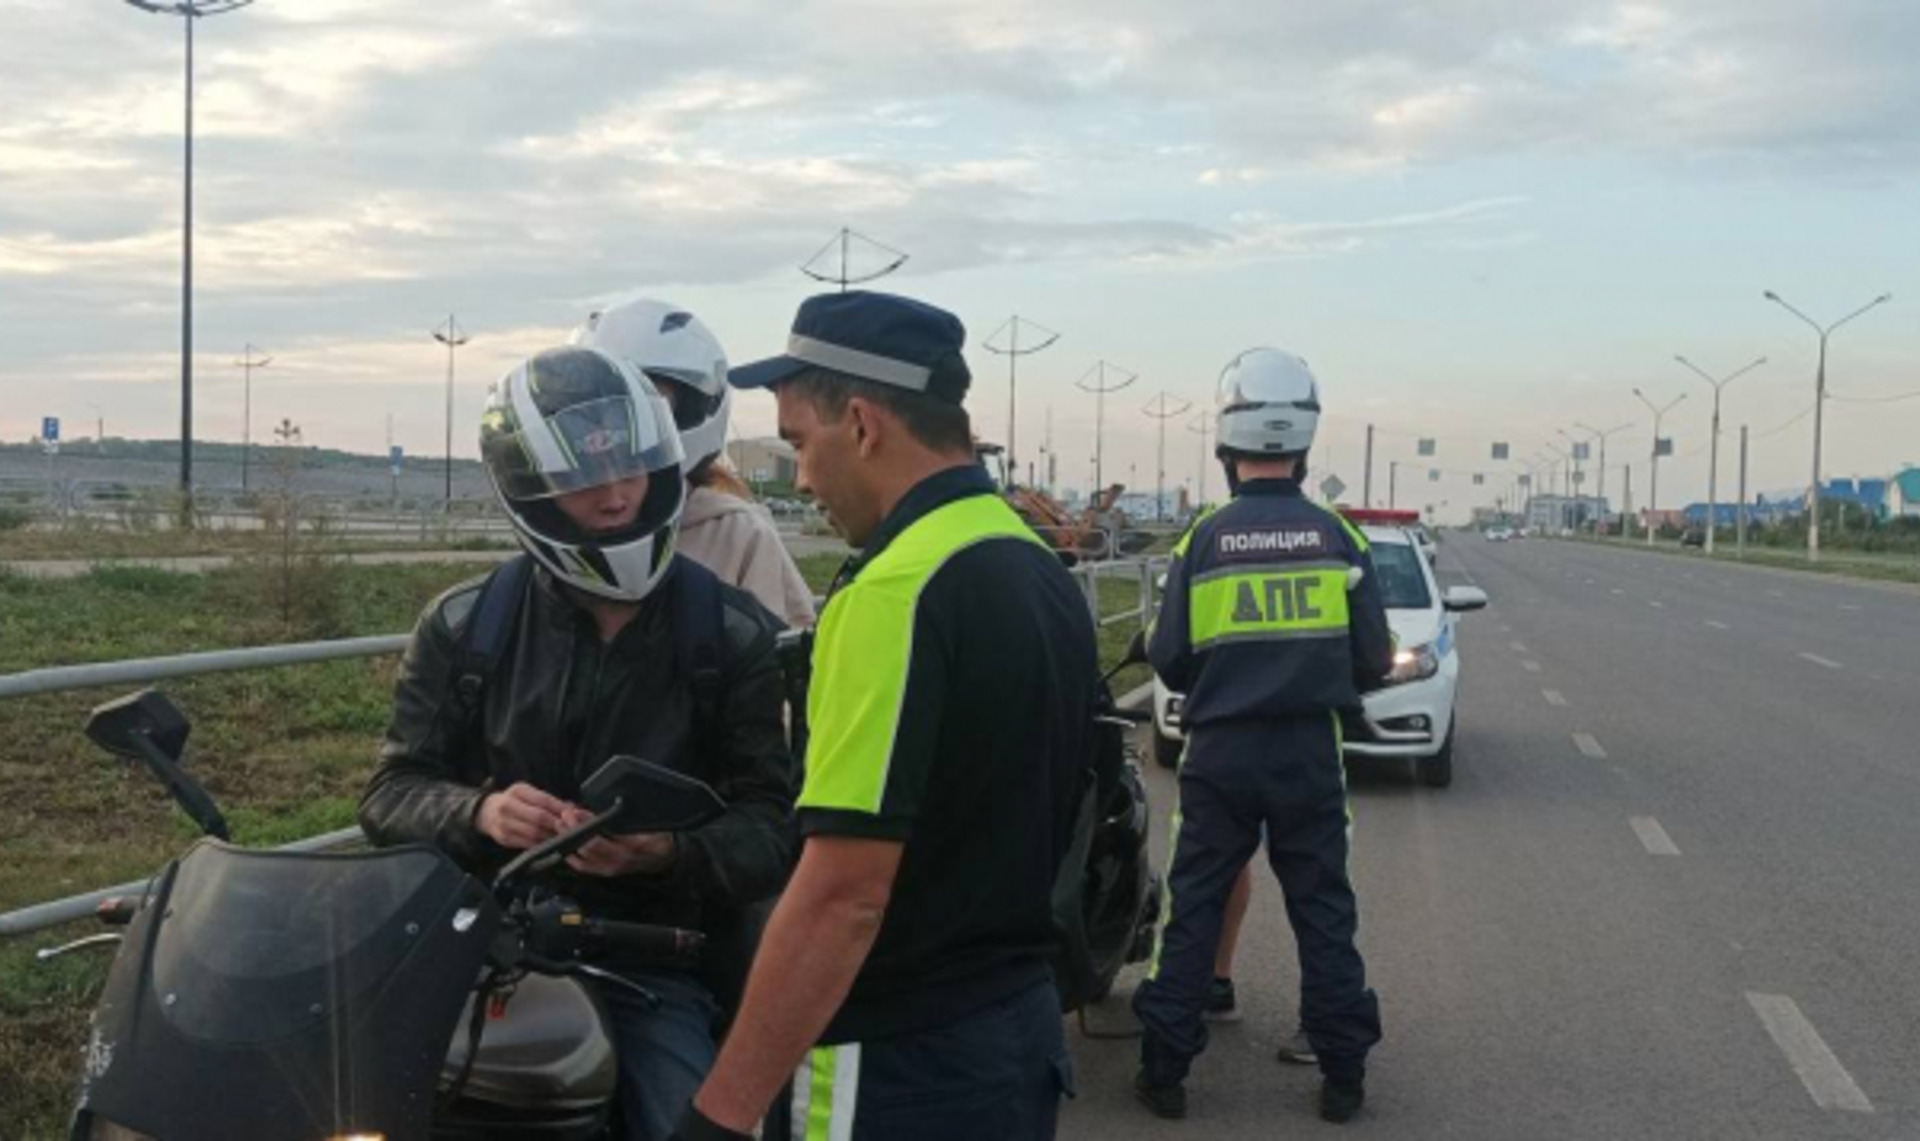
(1478, 479)
(394, 456)
(1426, 447)
(1499, 451)
(1433, 475)
(1526, 481)
(50, 429)
(1332, 487)
(1663, 446)
(1579, 478)
(1582, 451)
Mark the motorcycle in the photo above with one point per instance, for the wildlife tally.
(274, 994)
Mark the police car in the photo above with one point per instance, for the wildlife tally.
(1412, 718)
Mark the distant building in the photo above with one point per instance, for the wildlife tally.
(1563, 512)
(1903, 494)
(762, 461)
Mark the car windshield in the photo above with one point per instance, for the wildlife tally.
(1403, 583)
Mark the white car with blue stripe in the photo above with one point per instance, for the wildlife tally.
(1413, 717)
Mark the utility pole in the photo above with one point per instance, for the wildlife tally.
(1740, 517)
(1366, 480)
(1013, 352)
(1203, 424)
(450, 336)
(1819, 402)
(1713, 447)
(1393, 484)
(1160, 409)
(1653, 485)
(1626, 525)
(1601, 435)
(1100, 388)
(844, 276)
(189, 11)
(247, 364)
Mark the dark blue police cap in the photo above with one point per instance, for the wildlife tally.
(873, 336)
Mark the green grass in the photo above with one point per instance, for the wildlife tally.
(1839, 563)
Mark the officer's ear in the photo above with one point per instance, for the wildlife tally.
(866, 423)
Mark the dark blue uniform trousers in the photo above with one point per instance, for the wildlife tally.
(1236, 777)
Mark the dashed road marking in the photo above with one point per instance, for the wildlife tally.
(1827, 1081)
(1656, 604)
(1554, 697)
(1617, 590)
(1817, 660)
(1653, 837)
(1718, 625)
(1849, 606)
(1530, 667)
(1518, 647)
(1589, 745)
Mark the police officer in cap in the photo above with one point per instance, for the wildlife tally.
(1271, 624)
(902, 984)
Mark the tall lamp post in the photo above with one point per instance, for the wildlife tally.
(450, 335)
(1013, 352)
(188, 11)
(1653, 488)
(1713, 446)
(1819, 400)
(1601, 435)
(1100, 387)
(1202, 423)
(247, 363)
(1163, 408)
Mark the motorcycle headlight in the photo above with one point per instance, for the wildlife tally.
(1415, 663)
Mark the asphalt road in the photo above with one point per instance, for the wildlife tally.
(1674, 891)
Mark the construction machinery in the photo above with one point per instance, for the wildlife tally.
(1101, 531)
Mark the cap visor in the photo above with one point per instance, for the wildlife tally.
(766, 373)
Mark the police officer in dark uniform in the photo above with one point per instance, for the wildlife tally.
(1271, 624)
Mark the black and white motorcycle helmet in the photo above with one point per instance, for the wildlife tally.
(575, 418)
(1268, 404)
(672, 347)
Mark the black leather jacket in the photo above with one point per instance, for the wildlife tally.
(558, 704)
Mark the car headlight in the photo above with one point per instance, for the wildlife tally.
(1415, 663)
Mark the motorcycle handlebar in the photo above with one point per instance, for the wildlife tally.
(1128, 716)
(644, 940)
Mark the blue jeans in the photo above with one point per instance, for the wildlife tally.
(663, 1053)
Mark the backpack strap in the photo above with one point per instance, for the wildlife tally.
(488, 628)
(697, 638)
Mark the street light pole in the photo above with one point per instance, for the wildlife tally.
(450, 335)
(1162, 411)
(247, 364)
(1601, 435)
(189, 11)
(1819, 402)
(1100, 388)
(1013, 352)
(1203, 424)
(1713, 446)
(1653, 485)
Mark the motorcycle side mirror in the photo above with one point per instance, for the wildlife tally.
(148, 714)
(651, 798)
(145, 726)
(1137, 649)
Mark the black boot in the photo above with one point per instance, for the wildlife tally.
(1340, 1100)
(1169, 1102)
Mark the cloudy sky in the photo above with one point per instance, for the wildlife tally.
(1480, 220)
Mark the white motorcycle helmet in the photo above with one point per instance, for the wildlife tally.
(673, 348)
(575, 418)
(1268, 405)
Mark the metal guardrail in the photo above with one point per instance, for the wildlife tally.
(140, 671)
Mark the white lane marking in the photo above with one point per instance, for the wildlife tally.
(1518, 647)
(1656, 604)
(1506, 629)
(1554, 697)
(1589, 582)
(1817, 660)
(1718, 625)
(1653, 837)
(1849, 606)
(1589, 745)
(1617, 590)
(1530, 667)
(1825, 1078)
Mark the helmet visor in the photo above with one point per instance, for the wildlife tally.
(1266, 378)
(585, 445)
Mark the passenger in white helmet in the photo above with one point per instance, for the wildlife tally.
(721, 527)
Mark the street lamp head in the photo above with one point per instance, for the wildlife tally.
(1770, 295)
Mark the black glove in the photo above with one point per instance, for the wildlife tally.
(696, 1126)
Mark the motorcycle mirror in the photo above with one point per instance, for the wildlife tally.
(1137, 649)
(115, 725)
(651, 798)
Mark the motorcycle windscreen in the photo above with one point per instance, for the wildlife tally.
(267, 995)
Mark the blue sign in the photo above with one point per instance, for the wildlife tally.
(393, 454)
(50, 429)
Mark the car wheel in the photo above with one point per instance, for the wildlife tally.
(1437, 771)
(1167, 750)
